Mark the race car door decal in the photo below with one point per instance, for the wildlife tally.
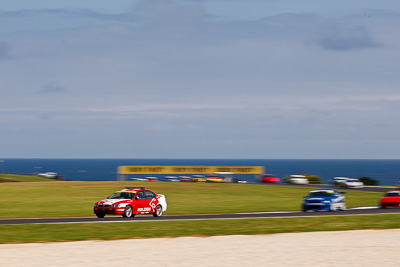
(153, 201)
(141, 203)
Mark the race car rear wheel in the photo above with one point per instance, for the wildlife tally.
(127, 212)
(99, 215)
(158, 211)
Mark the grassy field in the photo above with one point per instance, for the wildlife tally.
(5, 177)
(74, 199)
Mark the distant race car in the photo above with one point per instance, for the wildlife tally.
(151, 179)
(297, 179)
(199, 178)
(324, 199)
(171, 179)
(353, 183)
(131, 201)
(185, 178)
(391, 199)
(268, 178)
(214, 179)
(338, 181)
(346, 182)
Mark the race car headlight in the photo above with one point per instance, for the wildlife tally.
(96, 205)
(326, 201)
(115, 206)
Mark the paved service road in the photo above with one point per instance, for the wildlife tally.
(360, 211)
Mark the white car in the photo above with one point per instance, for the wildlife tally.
(298, 179)
(50, 175)
(353, 183)
(347, 182)
(339, 180)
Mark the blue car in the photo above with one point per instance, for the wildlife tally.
(324, 199)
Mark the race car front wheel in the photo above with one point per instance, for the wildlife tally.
(99, 215)
(127, 212)
(158, 211)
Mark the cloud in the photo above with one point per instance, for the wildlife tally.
(346, 33)
(151, 13)
(294, 18)
(50, 19)
(65, 13)
(347, 39)
(161, 11)
(52, 88)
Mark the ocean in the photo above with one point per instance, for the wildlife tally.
(386, 172)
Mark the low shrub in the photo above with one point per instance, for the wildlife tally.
(313, 179)
(368, 181)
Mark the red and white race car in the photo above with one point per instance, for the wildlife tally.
(131, 201)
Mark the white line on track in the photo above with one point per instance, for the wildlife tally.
(265, 212)
(365, 208)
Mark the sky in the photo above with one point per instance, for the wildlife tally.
(273, 79)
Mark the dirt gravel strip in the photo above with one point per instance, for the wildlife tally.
(340, 248)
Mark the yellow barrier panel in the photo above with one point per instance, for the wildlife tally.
(189, 169)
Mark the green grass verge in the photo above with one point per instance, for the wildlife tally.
(5, 177)
(125, 230)
(75, 199)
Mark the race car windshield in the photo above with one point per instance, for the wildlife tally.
(392, 194)
(121, 195)
(320, 194)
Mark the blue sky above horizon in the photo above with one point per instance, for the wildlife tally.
(199, 79)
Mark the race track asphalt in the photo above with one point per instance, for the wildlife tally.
(141, 218)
